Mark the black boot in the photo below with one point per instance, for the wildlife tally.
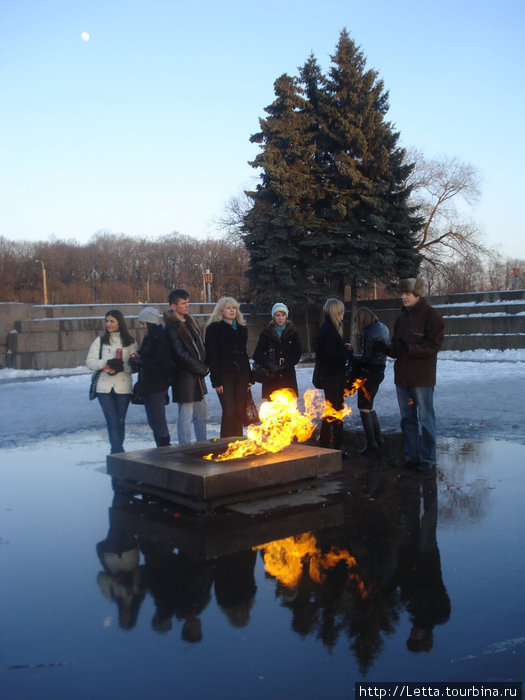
(325, 434)
(377, 429)
(368, 425)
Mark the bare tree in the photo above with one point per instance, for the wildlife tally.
(501, 275)
(439, 186)
(119, 268)
(233, 215)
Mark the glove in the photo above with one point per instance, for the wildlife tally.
(135, 363)
(116, 365)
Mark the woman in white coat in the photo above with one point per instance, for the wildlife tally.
(110, 353)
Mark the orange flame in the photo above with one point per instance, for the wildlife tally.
(358, 384)
(316, 406)
(280, 423)
(285, 560)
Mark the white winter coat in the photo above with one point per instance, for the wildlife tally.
(121, 382)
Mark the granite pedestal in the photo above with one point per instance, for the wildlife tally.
(182, 475)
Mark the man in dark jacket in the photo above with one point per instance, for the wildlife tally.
(418, 335)
(188, 355)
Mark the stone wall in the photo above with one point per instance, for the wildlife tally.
(484, 320)
(48, 337)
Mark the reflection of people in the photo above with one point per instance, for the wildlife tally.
(121, 579)
(110, 353)
(418, 335)
(331, 356)
(154, 364)
(420, 578)
(227, 357)
(179, 586)
(370, 365)
(278, 350)
(188, 354)
(235, 585)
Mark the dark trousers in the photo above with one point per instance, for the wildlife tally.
(115, 406)
(233, 402)
(365, 395)
(155, 405)
(331, 434)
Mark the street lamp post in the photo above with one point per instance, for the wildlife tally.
(152, 274)
(208, 279)
(44, 281)
(516, 271)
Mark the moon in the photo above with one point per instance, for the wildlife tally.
(84, 36)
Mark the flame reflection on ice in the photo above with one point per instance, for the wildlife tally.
(288, 559)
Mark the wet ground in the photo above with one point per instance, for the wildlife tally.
(375, 574)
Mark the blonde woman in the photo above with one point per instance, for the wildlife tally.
(331, 357)
(227, 358)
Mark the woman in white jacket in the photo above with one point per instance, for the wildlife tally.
(110, 353)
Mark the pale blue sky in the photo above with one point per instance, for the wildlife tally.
(144, 129)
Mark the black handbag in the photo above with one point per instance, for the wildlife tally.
(261, 374)
(94, 377)
(136, 395)
(317, 380)
(352, 375)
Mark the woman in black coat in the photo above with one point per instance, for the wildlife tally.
(154, 365)
(331, 358)
(227, 358)
(278, 350)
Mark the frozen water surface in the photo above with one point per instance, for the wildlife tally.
(387, 574)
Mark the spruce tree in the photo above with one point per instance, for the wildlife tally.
(370, 228)
(275, 225)
(331, 208)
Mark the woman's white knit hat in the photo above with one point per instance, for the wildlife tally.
(280, 307)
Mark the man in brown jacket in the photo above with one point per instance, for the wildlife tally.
(418, 335)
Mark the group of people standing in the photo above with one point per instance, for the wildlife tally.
(174, 354)
(417, 337)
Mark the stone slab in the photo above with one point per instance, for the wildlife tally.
(182, 470)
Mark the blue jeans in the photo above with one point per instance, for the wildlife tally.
(418, 422)
(155, 405)
(115, 406)
(192, 413)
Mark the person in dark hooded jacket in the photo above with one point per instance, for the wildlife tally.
(154, 366)
(370, 366)
(278, 351)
